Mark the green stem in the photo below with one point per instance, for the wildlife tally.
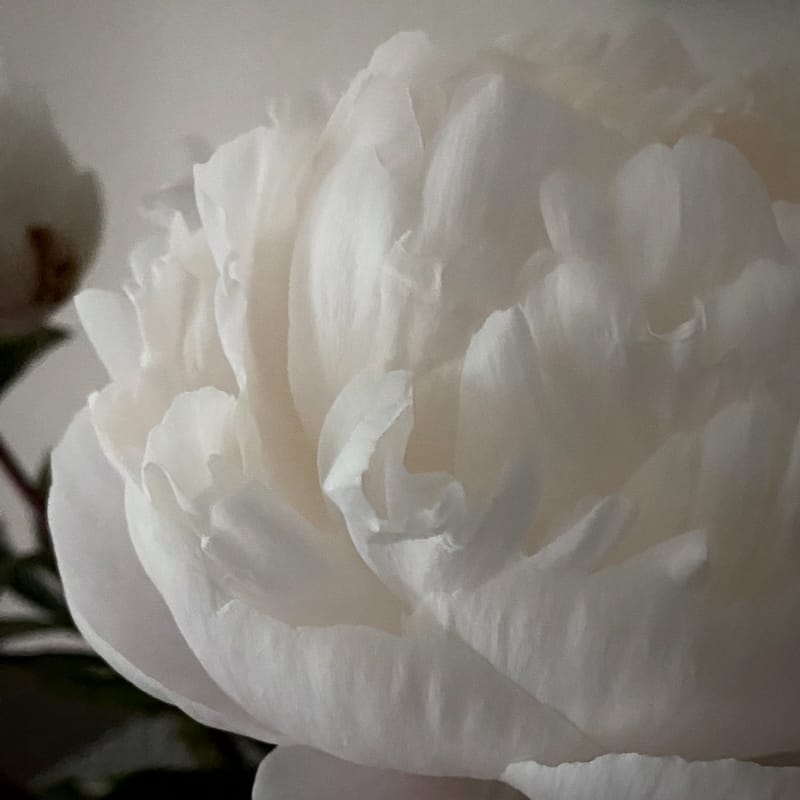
(28, 490)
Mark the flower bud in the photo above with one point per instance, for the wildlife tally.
(50, 214)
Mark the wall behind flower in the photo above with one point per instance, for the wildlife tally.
(126, 79)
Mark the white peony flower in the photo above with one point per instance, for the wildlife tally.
(456, 449)
(49, 214)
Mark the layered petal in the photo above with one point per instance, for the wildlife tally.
(249, 196)
(425, 704)
(632, 777)
(299, 773)
(102, 577)
(460, 438)
(691, 217)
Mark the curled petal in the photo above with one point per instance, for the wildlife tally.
(300, 773)
(633, 777)
(102, 576)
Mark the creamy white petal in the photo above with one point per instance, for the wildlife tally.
(674, 669)
(113, 602)
(228, 191)
(647, 198)
(755, 317)
(787, 216)
(249, 196)
(496, 402)
(379, 111)
(690, 217)
(174, 297)
(263, 551)
(576, 217)
(300, 773)
(422, 702)
(481, 193)
(551, 397)
(541, 627)
(336, 277)
(585, 542)
(408, 54)
(420, 532)
(197, 427)
(589, 431)
(740, 453)
(637, 777)
(257, 547)
(125, 411)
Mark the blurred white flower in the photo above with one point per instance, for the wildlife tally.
(50, 213)
(460, 438)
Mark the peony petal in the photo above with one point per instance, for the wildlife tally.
(408, 54)
(587, 422)
(256, 545)
(647, 196)
(541, 627)
(102, 575)
(726, 213)
(754, 316)
(379, 109)
(175, 302)
(300, 773)
(263, 551)
(418, 702)
(482, 188)
(109, 320)
(228, 192)
(249, 195)
(691, 217)
(197, 426)
(669, 674)
(419, 532)
(635, 777)
(584, 544)
(124, 413)
(742, 448)
(336, 276)
(497, 398)
(787, 215)
(576, 217)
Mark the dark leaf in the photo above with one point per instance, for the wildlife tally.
(44, 479)
(11, 627)
(162, 784)
(17, 354)
(33, 580)
(6, 560)
(11, 791)
(84, 675)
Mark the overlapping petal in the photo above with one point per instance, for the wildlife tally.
(460, 439)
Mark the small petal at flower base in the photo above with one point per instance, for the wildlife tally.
(455, 448)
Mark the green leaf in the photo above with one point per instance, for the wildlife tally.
(6, 560)
(17, 354)
(44, 477)
(160, 784)
(84, 675)
(11, 627)
(32, 580)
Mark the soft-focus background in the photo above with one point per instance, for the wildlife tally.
(127, 79)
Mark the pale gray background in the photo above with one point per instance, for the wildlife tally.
(126, 79)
